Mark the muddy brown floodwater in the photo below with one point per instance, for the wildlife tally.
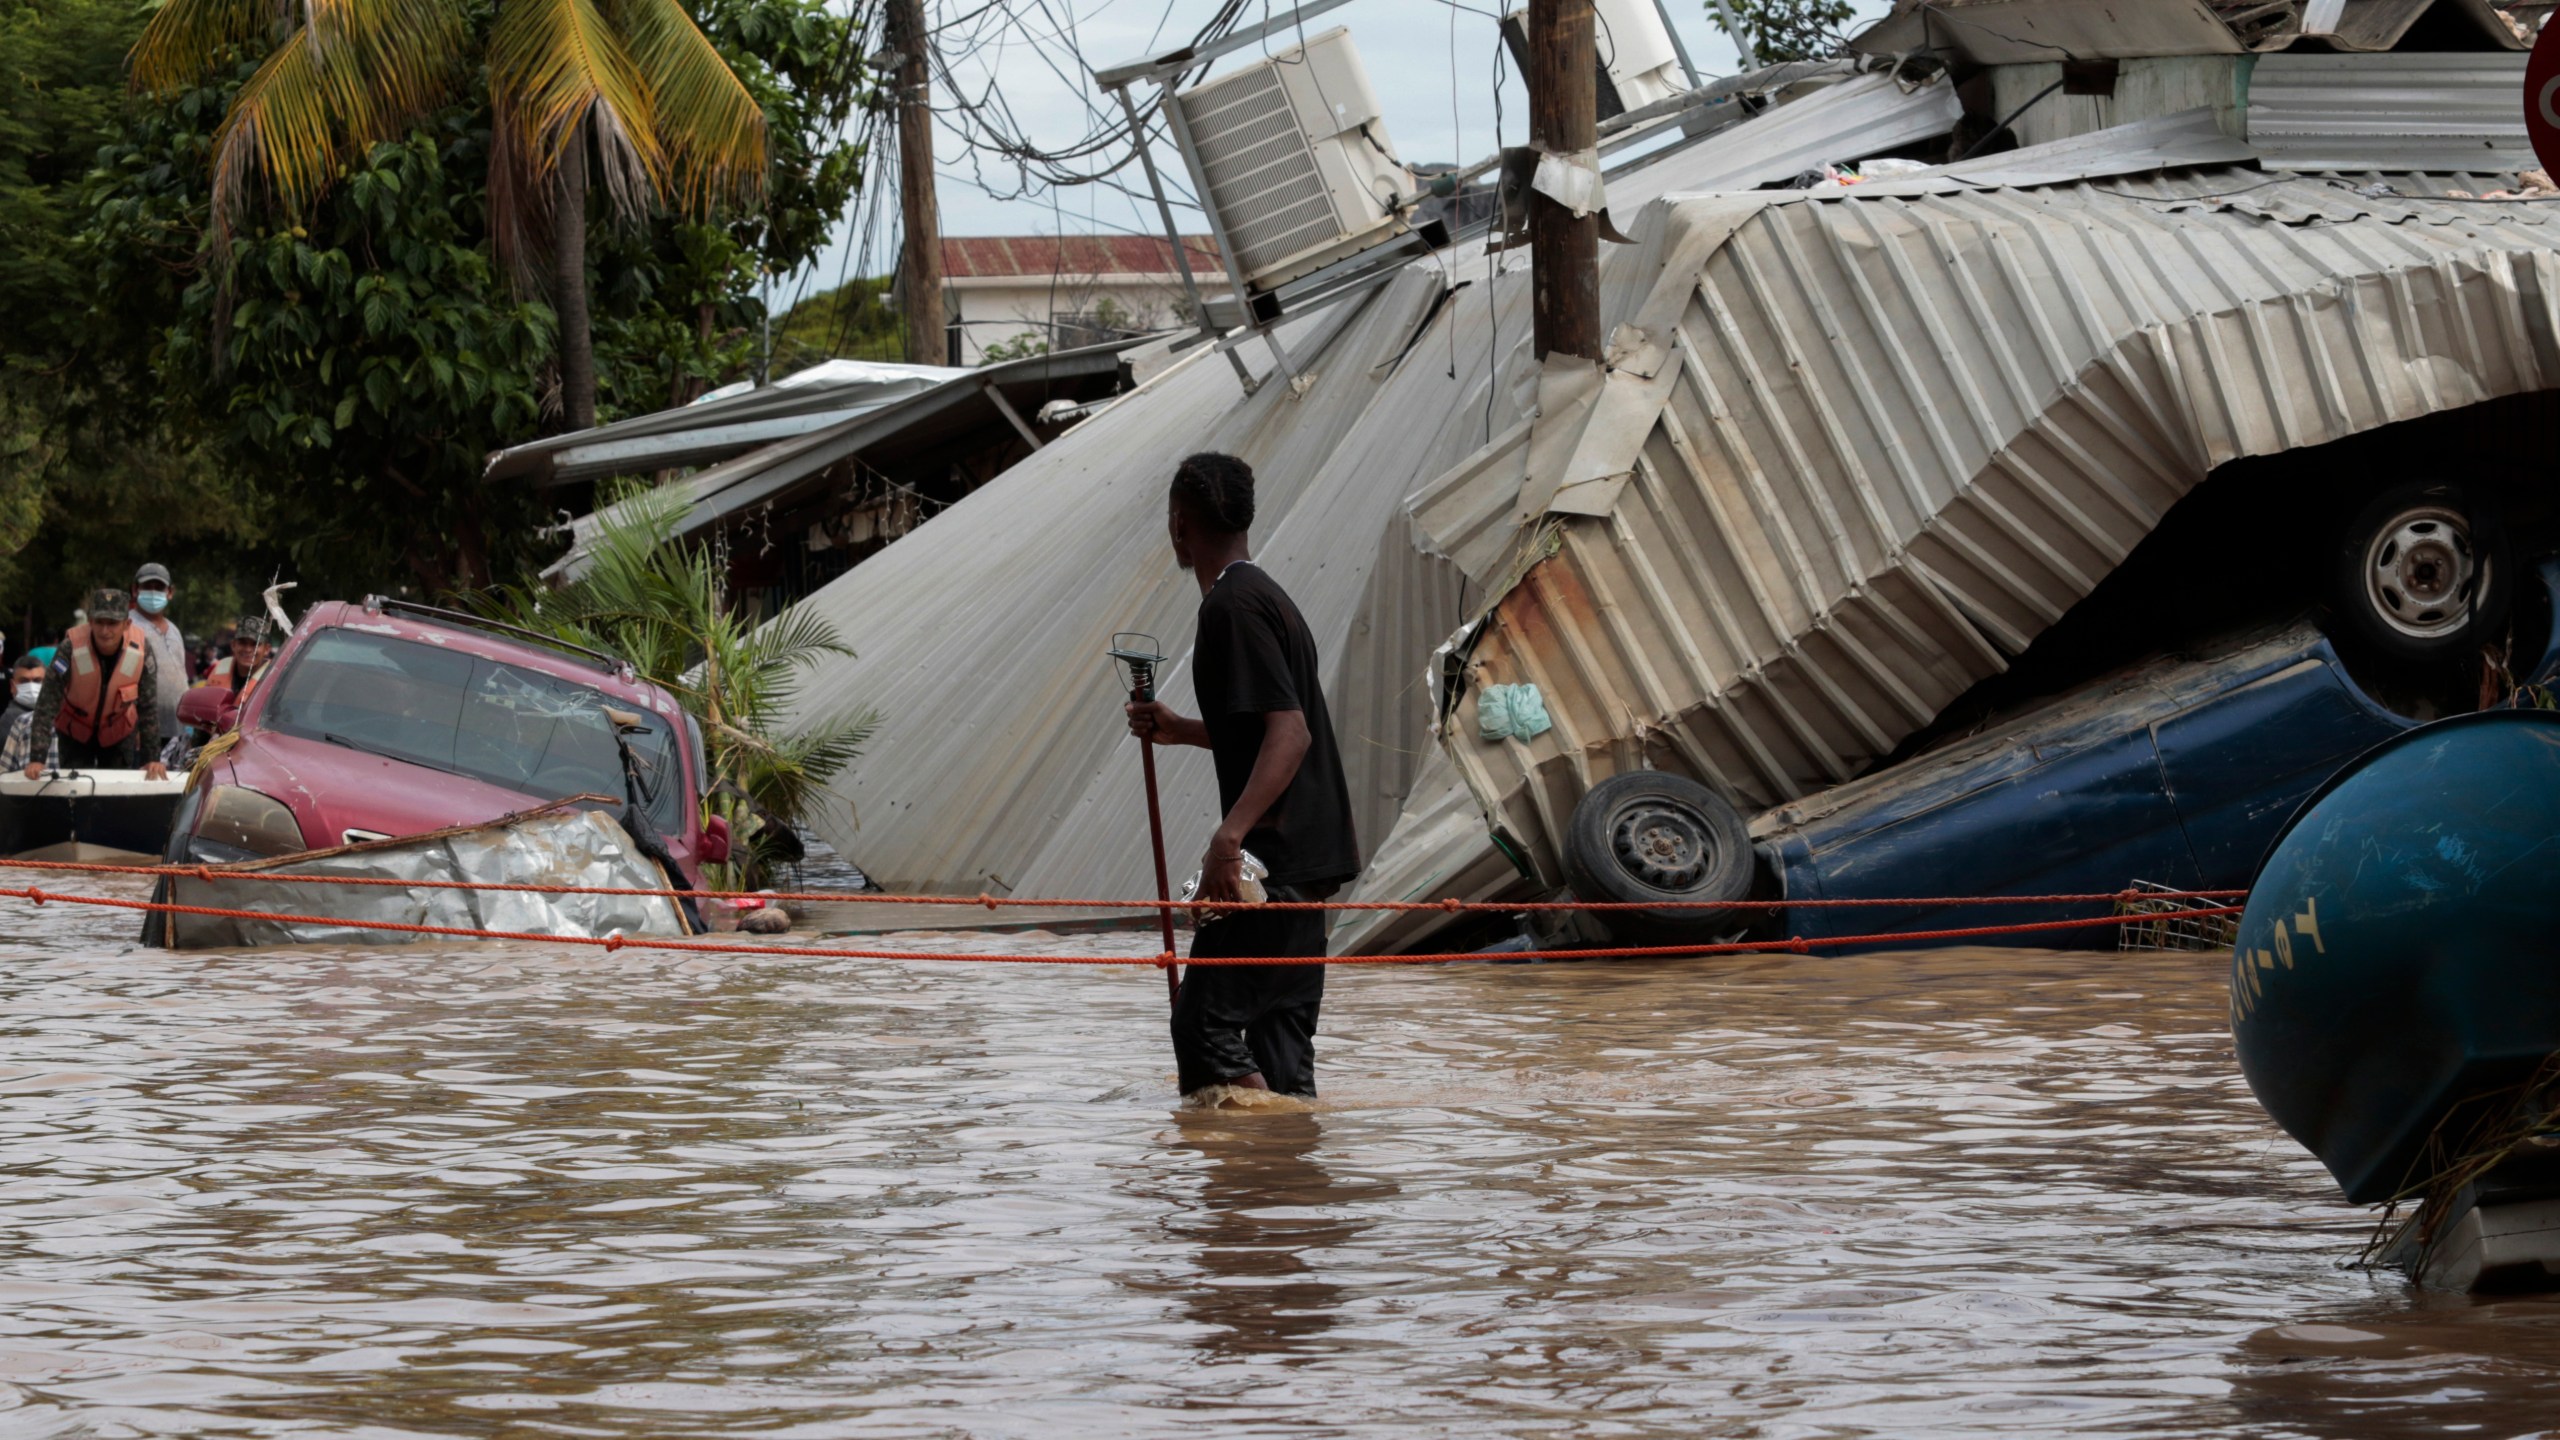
(467, 1190)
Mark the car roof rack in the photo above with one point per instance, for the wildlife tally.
(612, 664)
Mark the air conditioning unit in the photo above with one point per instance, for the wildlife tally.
(1637, 57)
(1295, 160)
(1639, 64)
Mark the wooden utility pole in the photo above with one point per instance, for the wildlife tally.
(920, 268)
(1564, 253)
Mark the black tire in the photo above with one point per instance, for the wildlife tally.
(2422, 573)
(1645, 836)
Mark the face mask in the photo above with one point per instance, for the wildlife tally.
(30, 692)
(152, 601)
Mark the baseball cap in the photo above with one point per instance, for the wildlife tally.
(148, 573)
(107, 603)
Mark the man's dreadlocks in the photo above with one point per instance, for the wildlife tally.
(1216, 491)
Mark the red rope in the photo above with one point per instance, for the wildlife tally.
(1798, 946)
(210, 873)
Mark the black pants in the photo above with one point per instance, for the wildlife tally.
(77, 755)
(1232, 1020)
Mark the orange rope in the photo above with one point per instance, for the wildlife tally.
(210, 873)
(36, 895)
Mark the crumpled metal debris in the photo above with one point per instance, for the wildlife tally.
(578, 849)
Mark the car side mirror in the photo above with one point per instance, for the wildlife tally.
(715, 841)
(211, 708)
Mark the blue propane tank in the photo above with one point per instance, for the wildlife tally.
(2397, 952)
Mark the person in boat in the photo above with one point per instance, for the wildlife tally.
(26, 686)
(1280, 784)
(152, 591)
(101, 697)
(238, 671)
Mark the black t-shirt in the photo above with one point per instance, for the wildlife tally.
(1255, 655)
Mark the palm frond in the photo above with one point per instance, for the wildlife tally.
(282, 126)
(386, 62)
(358, 73)
(712, 129)
(185, 39)
(558, 74)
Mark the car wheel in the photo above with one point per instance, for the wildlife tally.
(1647, 837)
(2421, 573)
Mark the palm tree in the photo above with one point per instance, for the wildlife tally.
(629, 90)
(663, 605)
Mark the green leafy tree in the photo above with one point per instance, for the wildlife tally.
(90, 483)
(356, 365)
(626, 97)
(369, 358)
(1020, 347)
(665, 606)
(1782, 30)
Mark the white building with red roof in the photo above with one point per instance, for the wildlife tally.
(1013, 294)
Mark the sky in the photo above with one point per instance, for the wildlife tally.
(1432, 63)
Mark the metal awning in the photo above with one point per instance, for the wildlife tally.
(719, 425)
(992, 400)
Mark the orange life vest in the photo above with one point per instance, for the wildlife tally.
(97, 704)
(220, 677)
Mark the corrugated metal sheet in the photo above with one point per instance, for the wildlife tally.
(1899, 436)
(2009, 32)
(2191, 138)
(1003, 764)
(2389, 112)
(1859, 117)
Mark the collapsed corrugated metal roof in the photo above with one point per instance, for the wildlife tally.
(1897, 435)
(1915, 419)
(1852, 452)
(980, 634)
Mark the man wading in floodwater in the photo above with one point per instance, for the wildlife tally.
(1262, 718)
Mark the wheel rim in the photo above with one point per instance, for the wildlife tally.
(1663, 843)
(2420, 576)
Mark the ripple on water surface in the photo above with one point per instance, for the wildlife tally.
(498, 1190)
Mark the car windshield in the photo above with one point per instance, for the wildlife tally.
(469, 715)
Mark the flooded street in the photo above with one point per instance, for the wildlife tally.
(498, 1190)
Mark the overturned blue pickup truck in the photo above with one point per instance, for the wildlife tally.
(2178, 771)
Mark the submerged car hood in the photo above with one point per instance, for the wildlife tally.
(332, 789)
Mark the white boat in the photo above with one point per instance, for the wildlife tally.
(87, 815)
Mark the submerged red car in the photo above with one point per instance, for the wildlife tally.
(388, 719)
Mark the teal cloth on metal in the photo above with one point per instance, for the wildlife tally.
(1511, 712)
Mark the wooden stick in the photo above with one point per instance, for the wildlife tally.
(1164, 882)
